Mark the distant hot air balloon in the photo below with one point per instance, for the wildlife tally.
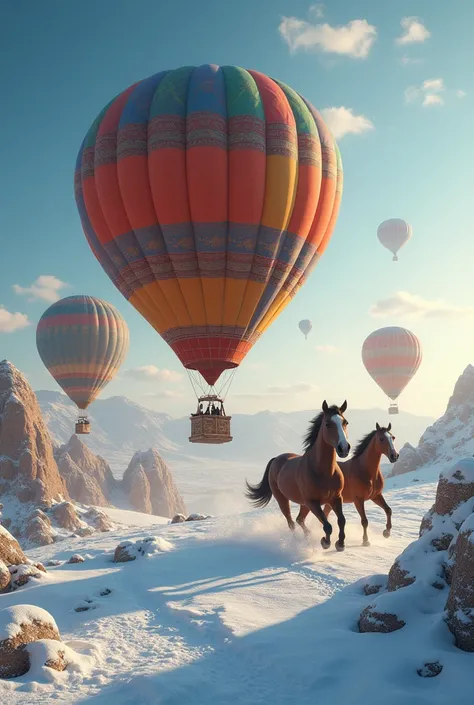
(393, 234)
(391, 357)
(82, 341)
(305, 327)
(208, 195)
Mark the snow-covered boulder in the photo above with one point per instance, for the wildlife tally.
(149, 546)
(178, 519)
(20, 625)
(10, 550)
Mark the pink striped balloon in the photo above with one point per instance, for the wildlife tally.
(391, 357)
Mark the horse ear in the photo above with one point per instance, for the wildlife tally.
(389, 427)
(343, 407)
(377, 427)
(325, 406)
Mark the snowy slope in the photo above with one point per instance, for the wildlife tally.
(210, 478)
(239, 611)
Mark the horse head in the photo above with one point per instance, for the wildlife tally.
(384, 441)
(334, 428)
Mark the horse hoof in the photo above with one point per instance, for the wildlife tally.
(386, 533)
(366, 543)
(325, 543)
(340, 547)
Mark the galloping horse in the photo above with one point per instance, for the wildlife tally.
(363, 479)
(312, 479)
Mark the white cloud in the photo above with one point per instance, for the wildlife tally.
(150, 373)
(279, 391)
(329, 349)
(409, 61)
(342, 121)
(428, 92)
(414, 31)
(461, 94)
(45, 288)
(353, 39)
(403, 304)
(10, 322)
(165, 394)
(432, 99)
(317, 10)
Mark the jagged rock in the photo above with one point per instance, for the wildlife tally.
(460, 604)
(137, 487)
(373, 621)
(27, 465)
(455, 486)
(88, 477)
(76, 558)
(10, 550)
(5, 577)
(451, 436)
(38, 529)
(66, 516)
(99, 520)
(430, 670)
(178, 519)
(20, 625)
(164, 496)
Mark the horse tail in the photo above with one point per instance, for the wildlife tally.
(261, 494)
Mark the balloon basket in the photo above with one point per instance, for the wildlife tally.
(83, 426)
(393, 409)
(210, 423)
(395, 258)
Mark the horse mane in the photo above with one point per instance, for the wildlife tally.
(315, 425)
(364, 442)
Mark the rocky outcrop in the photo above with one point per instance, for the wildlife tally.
(155, 482)
(442, 556)
(137, 487)
(21, 625)
(28, 470)
(10, 550)
(88, 477)
(460, 603)
(66, 516)
(451, 437)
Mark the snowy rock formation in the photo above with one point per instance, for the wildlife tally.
(88, 477)
(28, 471)
(436, 569)
(150, 486)
(450, 437)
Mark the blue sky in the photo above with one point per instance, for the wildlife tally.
(404, 154)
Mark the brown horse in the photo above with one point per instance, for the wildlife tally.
(313, 479)
(363, 479)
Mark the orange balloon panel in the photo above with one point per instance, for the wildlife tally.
(208, 194)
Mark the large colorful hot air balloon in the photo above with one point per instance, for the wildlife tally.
(393, 234)
(208, 196)
(305, 327)
(82, 341)
(391, 357)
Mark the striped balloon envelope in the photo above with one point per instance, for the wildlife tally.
(391, 357)
(82, 341)
(208, 194)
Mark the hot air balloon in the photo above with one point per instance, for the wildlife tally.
(393, 234)
(391, 357)
(208, 194)
(305, 327)
(82, 341)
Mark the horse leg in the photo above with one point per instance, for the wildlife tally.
(284, 505)
(380, 502)
(336, 505)
(327, 509)
(315, 506)
(359, 505)
(300, 519)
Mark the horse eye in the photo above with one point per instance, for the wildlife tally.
(346, 423)
(328, 424)
(393, 438)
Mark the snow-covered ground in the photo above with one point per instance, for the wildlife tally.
(238, 610)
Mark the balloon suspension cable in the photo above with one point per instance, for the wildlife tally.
(202, 389)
